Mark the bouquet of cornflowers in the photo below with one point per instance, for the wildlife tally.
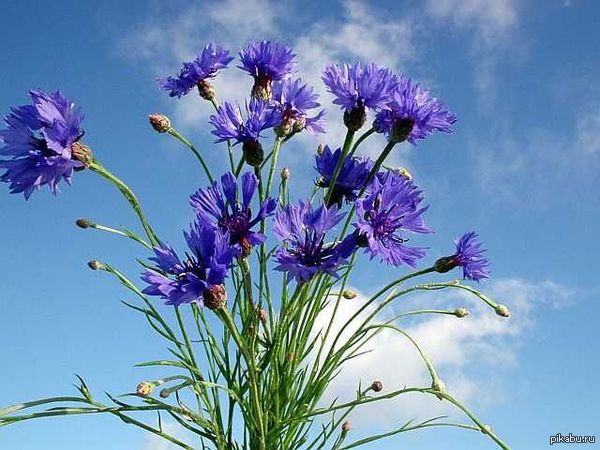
(263, 265)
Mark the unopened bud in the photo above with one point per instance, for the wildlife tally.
(164, 393)
(349, 294)
(83, 223)
(82, 153)
(206, 91)
(160, 123)
(502, 310)
(285, 174)
(320, 149)
(215, 297)
(439, 386)
(461, 312)
(404, 172)
(346, 427)
(486, 429)
(253, 153)
(262, 315)
(96, 265)
(289, 356)
(246, 247)
(377, 386)
(144, 388)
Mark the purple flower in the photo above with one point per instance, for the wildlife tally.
(229, 124)
(390, 208)
(190, 280)
(469, 256)
(38, 143)
(206, 65)
(413, 114)
(358, 87)
(223, 206)
(351, 179)
(303, 230)
(266, 62)
(294, 99)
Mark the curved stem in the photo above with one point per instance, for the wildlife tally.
(359, 141)
(276, 147)
(129, 196)
(173, 132)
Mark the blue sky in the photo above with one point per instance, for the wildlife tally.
(521, 168)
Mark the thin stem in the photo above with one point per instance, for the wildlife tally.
(173, 132)
(359, 141)
(129, 196)
(339, 165)
(276, 147)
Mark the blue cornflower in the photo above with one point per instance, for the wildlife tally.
(358, 87)
(199, 277)
(469, 256)
(41, 143)
(303, 230)
(390, 208)
(413, 114)
(294, 99)
(351, 179)
(230, 125)
(221, 205)
(266, 62)
(195, 73)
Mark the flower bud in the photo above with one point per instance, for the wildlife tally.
(502, 310)
(246, 247)
(285, 129)
(206, 91)
(377, 386)
(83, 223)
(461, 312)
(253, 152)
(439, 386)
(96, 265)
(215, 297)
(144, 389)
(355, 118)
(290, 356)
(486, 429)
(346, 427)
(262, 315)
(82, 153)
(349, 294)
(164, 393)
(320, 149)
(403, 171)
(162, 124)
(285, 174)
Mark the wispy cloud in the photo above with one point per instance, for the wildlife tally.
(466, 352)
(358, 33)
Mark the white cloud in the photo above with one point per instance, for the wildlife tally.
(482, 346)
(359, 33)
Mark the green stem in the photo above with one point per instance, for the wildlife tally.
(276, 147)
(339, 165)
(129, 196)
(173, 132)
(359, 141)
